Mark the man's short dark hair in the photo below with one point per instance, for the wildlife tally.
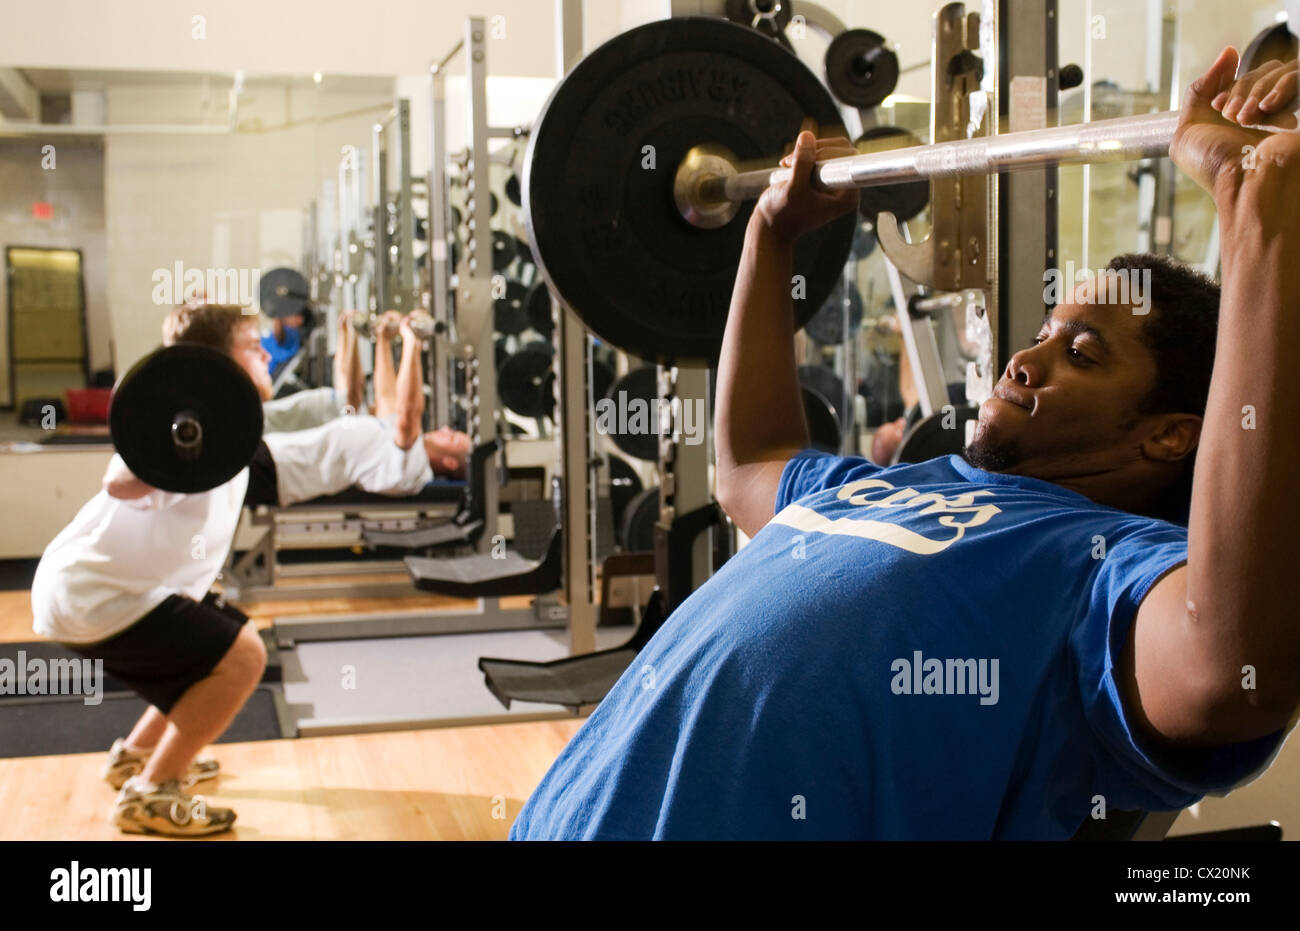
(1180, 332)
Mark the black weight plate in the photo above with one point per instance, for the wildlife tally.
(637, 385)
(602, 379)
(493, 203)
(526, 381)
(904, 200)
(827, 325)
(825, 382)
(513, 194)
(283, 292)
(503, 250)
(860, 69)
(510, 311)
(823, 427)
(525, 254)
(864, 242)
(456, 220)
(1275, 43)
(930, 437)
(539, 309)
(606, 233)
(639, 521)
(624, 485)
(193, 378)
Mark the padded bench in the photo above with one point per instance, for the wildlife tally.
(533, 566)
(464, 529)
(438, 491)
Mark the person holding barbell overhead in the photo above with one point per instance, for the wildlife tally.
(1005, 644)
(398, 397)
(385, 452)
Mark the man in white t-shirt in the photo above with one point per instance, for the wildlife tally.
(127, 583)
(385, 453)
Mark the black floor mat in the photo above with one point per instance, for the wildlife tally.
(17, 574)
(68, 725)
(77, 439)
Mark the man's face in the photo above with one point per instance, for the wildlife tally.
(246, 349)
(447, 450)
(1067, 406)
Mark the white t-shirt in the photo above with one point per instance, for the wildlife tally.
(118, 560)
(348, 452)
(301, 411)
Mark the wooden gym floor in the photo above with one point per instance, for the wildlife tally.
(465, 783)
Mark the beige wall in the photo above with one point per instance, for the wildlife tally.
(224, 201)
(267, 36)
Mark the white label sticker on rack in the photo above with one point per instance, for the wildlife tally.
(1028, 108)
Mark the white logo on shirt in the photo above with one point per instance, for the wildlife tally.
(948, 512)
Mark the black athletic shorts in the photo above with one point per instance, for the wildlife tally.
(262, 484)
(170, 648)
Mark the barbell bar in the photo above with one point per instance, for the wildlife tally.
(708, 188)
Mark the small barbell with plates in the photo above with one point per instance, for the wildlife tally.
(185, 418)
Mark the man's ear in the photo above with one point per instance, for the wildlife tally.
(1173, 437)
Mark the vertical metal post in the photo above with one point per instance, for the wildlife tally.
(476, 284)
(1028, 33)
(406, 292)
(379, 194)
(686, 468)
(437, 257)
(575, 414)
(1166, 175)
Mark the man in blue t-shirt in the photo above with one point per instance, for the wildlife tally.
(1005, 644)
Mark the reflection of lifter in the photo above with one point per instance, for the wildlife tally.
(311, 449)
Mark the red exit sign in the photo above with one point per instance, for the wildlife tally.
(42, 210)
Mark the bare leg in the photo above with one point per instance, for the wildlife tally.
(148, 730)
(207, 708)
(385, 381)
(410, 390)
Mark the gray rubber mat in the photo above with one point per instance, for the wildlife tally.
(68, 725)
(356, 685)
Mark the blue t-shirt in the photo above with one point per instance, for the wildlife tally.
(281, 352)
(915, 652)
